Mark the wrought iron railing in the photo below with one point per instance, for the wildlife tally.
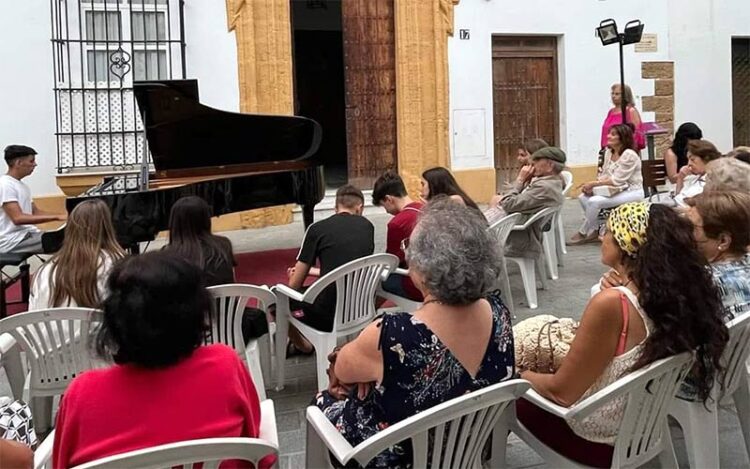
(99, 47)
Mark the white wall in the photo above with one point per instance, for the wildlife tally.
(696, 34)
(27, 103)
(27, 106)
(700, 39)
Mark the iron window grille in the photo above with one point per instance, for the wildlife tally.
(99, 47)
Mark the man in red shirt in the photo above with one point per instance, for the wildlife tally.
(390, 193)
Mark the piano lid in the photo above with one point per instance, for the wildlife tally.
(183, 133)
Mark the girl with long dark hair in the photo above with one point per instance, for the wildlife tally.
(676, 156)
(625, 328)
(190, 237)
(440, 181)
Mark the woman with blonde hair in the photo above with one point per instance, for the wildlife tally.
(614, 116)
(77, 273)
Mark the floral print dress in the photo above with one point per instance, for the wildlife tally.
(419, 373)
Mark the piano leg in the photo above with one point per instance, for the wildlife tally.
(308, 214)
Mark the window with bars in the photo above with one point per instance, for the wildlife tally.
(100, 47)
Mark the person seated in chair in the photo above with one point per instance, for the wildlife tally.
(76, 275)
(459, 341)
(19, 214)
(165, 386)
(335, 241)
(537, 187)
(190, 238)
(390, 193)
(651, 316)
(620, 177)
(692, 178)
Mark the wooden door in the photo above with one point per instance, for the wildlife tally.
(370, 84)
(741, 91)
(524, 83)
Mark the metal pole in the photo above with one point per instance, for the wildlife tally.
(623, 105)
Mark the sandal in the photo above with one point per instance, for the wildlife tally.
(579, 239)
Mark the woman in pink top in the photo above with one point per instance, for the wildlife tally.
(165, 386)
(614, 116)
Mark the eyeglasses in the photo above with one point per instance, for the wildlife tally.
(404, 244)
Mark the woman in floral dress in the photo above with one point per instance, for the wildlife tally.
(459, 341)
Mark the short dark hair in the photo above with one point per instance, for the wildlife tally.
(725, 212)
(349, 196)
(13, 152)
(155, 311)
(534, 145)
(389, 183)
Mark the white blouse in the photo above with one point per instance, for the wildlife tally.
(41, 290)
(625, 172)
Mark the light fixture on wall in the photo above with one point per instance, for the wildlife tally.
(608, 34)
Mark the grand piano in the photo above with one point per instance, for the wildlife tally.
(233, 161)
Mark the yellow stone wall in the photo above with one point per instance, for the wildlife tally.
(263, 33)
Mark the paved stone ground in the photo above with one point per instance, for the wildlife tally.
(565, 297)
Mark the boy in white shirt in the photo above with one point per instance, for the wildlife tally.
(19, 214)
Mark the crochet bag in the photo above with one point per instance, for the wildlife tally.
(542, 342)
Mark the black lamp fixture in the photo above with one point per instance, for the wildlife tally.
(608, 34)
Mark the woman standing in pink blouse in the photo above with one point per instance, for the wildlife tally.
(614, 116)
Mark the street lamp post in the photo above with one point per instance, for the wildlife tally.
(608, 34)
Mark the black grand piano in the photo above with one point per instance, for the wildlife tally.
(233, 161)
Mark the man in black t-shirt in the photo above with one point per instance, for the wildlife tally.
(335, 241)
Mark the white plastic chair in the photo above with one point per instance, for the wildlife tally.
(230, 301)
(643, 434)
(55, 356)
(700, 424)
(210, 451)
(501, 229)
(402, 304)
(558, 222)
(10, 360)
(356, 286)
(527, 265)
(452, 434)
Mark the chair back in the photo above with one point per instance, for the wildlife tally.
(648, 393)
(502, 228)
(452, 434)
(568, 178)
(356, 284)
(735, 355)
(654, 174)
(543, 216)
(225, 318)
(56, 342)
(209, 452)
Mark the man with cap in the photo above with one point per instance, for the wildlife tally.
(19, 214)
(534, 189)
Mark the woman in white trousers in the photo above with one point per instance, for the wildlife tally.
(621, 173)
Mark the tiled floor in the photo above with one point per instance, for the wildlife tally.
(565, 297)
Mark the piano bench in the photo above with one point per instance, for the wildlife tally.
(6, 281)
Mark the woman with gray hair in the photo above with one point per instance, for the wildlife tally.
(459, 341)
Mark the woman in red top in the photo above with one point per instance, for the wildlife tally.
(165, 386)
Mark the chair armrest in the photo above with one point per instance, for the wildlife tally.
(288, 292)
(268, 430)
(43, 454)
(333, 440)
(7, 342)
(401, 271)
(544, 403)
